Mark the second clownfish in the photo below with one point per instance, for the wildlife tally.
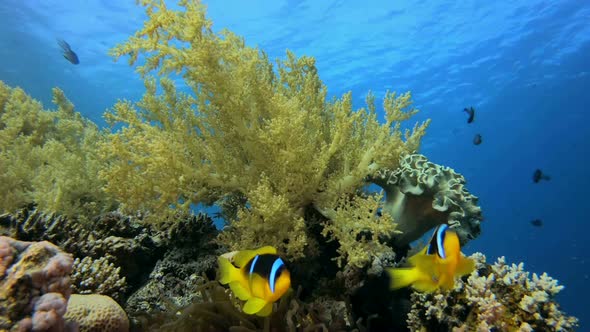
(436, 266)
(259, 277)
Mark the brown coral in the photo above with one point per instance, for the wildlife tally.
(421, 195)
(96, 313)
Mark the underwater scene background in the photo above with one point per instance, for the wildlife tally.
(524, 66)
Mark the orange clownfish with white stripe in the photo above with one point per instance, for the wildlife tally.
(436, 266)
(259, 277)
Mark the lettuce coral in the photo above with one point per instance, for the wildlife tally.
(48, 158)
(247, 128)
(421, 195)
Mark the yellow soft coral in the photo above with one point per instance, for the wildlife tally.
(360, 230)
(258, 224)
(249, 128)
(48, 158)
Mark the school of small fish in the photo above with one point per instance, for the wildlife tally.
(538, 174)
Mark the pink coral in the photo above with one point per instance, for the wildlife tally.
(6, 256)
(49, 313)
(57, 274)
(35, 285)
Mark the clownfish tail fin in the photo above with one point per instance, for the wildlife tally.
(402, 277)
(466, 266)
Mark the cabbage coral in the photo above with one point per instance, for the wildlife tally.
(48, 158)
(421, 195)
(246, 128)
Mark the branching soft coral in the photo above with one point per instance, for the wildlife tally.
(360, 232)
(262, 131)
(48, 158)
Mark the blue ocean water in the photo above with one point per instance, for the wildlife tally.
(523, 65)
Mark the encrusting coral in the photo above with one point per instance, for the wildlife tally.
(421, 195)
(34, 285)
(48, 158)
(495, 297)
(248, 128)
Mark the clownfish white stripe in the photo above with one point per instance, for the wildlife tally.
(251, 272)
(273, 273)
(440, 233)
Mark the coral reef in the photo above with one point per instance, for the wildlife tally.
(175, 280)
(216, 311)
(421, 195)
(495, 297)
(48, 157)
(248, 128)
(96, 313)
(32, 224)
(287, 167)
(123, 240)
(97, 276)
(125, 243)
(34, 285)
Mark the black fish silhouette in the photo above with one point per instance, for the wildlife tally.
(538, 176)
(471, 112)
(68, 54)
(537, 222)
(477, 139)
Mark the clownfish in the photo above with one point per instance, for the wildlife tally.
(436, 266)
(259, 277)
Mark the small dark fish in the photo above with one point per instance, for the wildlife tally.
(471, 112)
(477, 139)
(538, 176)
(537, 222)
(68, 54)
